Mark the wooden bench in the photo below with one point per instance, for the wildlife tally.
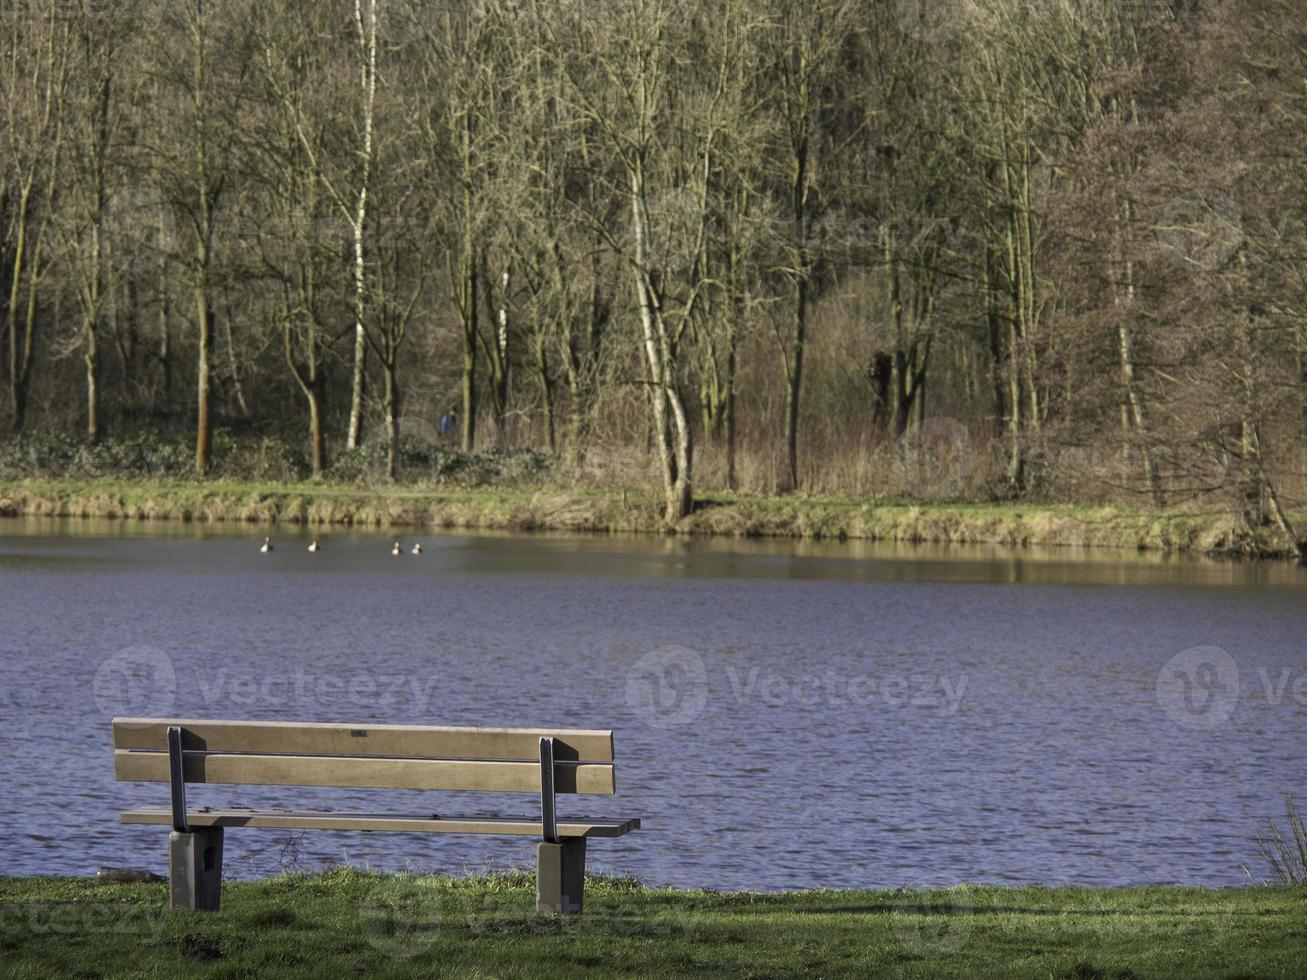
(514, 760)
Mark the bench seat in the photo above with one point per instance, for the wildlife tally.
(400, 822)
(544, 763)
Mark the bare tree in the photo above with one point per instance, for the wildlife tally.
(32, 86)
(202, 86)
(662, 126)
(102, 207)
(365, 28)
(462, 90)
(807, 38)
(298, 249)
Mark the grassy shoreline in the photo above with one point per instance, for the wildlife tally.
(735, 515)
(347, 922)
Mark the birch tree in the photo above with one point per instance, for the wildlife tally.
(661, 118)
(33, 85)
(365, 30)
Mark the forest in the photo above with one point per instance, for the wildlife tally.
(1055, 248)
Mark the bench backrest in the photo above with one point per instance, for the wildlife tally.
(375, 756)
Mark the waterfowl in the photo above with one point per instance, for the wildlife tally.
(314, 545)
(267, 545)
(396, 550)
(417, 548)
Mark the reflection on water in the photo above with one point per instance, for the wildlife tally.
(673, 556)
(787, 713)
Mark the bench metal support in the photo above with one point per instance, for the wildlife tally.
(194, 856)
(560, 876)
(195, 868)
(177, 777)
(560, 864)
(548, 810)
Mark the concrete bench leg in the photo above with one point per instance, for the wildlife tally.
(195, 868)
(560, 876)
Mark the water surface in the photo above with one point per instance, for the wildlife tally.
(786, 714)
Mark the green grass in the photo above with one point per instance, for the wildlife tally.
(586, 509)
(348, 923)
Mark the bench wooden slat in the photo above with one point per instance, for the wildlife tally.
(385, 741)
(377, 773)
(398, 822)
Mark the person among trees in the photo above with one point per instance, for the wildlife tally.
(449, 423)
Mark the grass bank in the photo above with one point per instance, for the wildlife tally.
(740, 515)
(349, 923)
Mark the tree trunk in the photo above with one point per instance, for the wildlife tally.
(468, 312)
(681, 503)
(367, 38)
(165, 337)
(673, 452)
(358, 374)
(500, 362)
(1134, 402)
(496, 352)
(1016, 473)
(309, 381)
(732, 480)
(91, 358)
(317, 446)
(551, 435)
(24, 359)
(392, 422)
(203, 425)
(548, 392)
(1132, 411)
(798, 338)
(582, 358)
(993, 321)
(233, 365)
(20, 339)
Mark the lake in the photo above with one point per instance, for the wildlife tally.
(785, 714)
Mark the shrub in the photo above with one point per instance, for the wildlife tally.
(1285, 853)
(258, 458)
(419, 463)
(270, 458)
(55, 455)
